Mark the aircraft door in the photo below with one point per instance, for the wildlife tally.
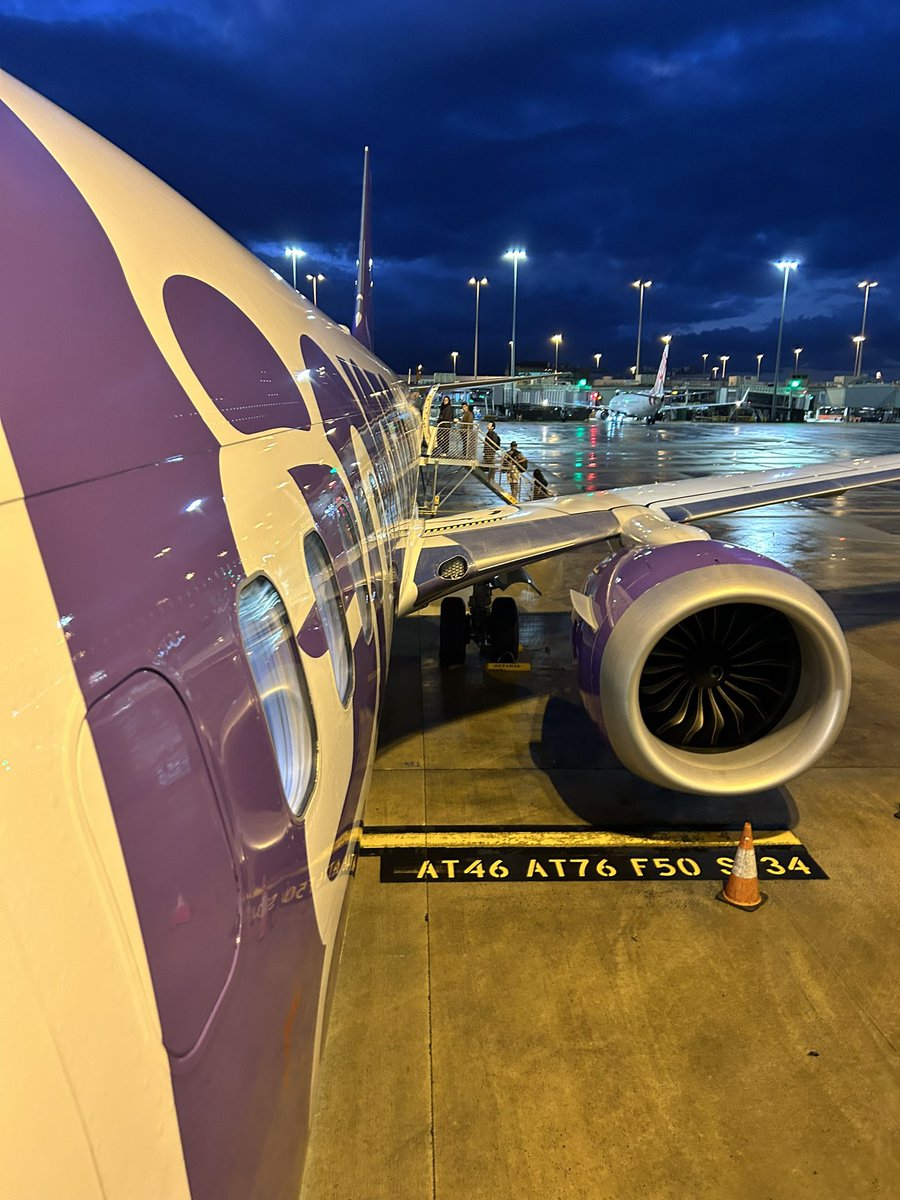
(176, 850)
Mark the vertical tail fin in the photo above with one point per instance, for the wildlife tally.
(362, 316)
(660, 386)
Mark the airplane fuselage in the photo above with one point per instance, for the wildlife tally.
(206, 489)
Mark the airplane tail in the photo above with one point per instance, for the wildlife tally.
(660, 386)
(362, 316)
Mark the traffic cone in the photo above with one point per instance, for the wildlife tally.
(742, 885)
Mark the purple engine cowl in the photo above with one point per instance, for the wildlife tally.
(709, 668)
(619, 580)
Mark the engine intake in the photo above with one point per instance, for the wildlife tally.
(710, 668)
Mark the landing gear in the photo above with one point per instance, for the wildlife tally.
(503, 630)
(454, 632)
(492, 625)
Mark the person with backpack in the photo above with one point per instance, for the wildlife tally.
(491, 449)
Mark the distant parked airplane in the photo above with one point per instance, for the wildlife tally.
(208, 518)
(644, 406)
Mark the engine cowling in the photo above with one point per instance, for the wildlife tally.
(709, 668)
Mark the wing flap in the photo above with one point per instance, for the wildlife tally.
(717, 495)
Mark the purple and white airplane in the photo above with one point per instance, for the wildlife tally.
(208, 516)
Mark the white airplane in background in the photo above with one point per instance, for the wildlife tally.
(643, 406)
(209, 519)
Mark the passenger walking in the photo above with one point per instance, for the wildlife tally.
(491, 448)
(541, 487)
(467, 428)
(444, 423)
(514, 463)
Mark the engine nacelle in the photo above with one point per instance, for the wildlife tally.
(709, 668)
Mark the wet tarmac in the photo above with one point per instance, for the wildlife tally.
(576, 1038)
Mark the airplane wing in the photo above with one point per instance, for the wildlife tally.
(716, 495)
(468, 383)
(456, 552)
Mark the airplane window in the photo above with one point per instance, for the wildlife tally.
(275, 665)
(376, 493)
(353, 549)
(383, 470)
(331, 612)
(362, 504)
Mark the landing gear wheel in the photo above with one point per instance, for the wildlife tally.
(454, 632)
(503, 630)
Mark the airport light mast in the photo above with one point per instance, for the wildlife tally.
(786, 265)
(477, 284)
(867, 284)
(759, 359)
(514, 254)
(293, 253)
(798, 350)
(857, 341)
(640, 284)
(315, 280)
(556, 340)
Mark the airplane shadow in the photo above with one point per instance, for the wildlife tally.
(592, 782)
(586, 775)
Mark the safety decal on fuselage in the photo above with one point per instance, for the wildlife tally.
(574, 864)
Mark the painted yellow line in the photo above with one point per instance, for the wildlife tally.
(564, 837)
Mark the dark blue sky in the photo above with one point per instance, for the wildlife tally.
(690, 143)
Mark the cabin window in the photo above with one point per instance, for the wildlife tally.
(376, 495)
(278, 674)
(353, 550)
(362, 503)
(331, 612)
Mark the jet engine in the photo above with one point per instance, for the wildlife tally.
(709, 668)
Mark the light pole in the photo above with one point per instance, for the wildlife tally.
(786, 265)
(798, 350)
(723, 359)
(515, 255)
(704, 357)
(715, 372)
(858, 343)
(293, 253)
(556, 340)
(454, 354)
(597, 358)
(759, 359)
(866, 284)
(510, 348)
(477, 284)
(315, 280)
(640, 284)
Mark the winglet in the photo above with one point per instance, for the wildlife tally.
(660, 386)
(362, 316)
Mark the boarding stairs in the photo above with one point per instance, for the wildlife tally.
(453, 453)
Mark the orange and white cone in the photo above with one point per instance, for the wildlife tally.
(742, 885)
